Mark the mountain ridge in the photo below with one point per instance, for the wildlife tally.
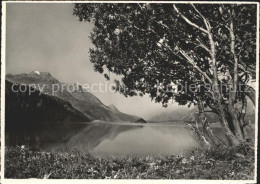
(79, 98)
(191, 114)
(27, 108)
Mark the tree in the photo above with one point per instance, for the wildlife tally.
(158, 49)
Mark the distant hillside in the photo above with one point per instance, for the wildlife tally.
(80, 99)
(113, 108)
(22, 109)
(191, 114)
(175, 114)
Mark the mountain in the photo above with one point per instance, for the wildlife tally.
(173, 115)
(113, 108)
(191, 114)
(79, 98)
(27, 108)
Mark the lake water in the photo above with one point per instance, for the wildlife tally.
(107, 139)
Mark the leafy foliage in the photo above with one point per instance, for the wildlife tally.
(149, 46)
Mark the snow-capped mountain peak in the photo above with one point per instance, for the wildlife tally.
(37, 72)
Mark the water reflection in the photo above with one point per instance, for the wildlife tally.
(107, 139)
(148, 141)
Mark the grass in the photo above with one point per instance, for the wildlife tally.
(232, 164)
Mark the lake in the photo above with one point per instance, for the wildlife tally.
(107, 138)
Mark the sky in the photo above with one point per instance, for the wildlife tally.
(48, 38)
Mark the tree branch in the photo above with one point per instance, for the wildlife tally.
(206, 22)
(188, 21)
(204, 46)
(235, 70)
(212, 44)
(191, 61)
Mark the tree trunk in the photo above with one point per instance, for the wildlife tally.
(233, 91)
(236, 122)
(230, 136)
(201, 137)
(217, 93)
(245, 125)
(250, 92)
(215, 140)
(205, 127)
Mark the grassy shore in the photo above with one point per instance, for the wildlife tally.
(234, 163)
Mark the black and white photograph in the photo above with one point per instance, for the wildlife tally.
(118, 91)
